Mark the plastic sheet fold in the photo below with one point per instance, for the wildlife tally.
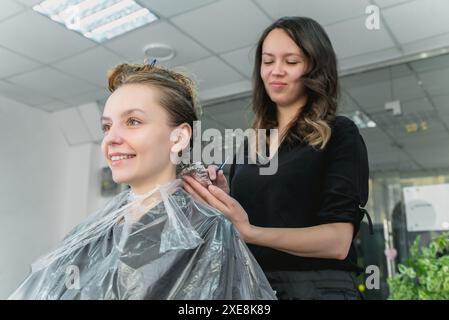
(160, 245)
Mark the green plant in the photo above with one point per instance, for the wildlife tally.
(425, 275)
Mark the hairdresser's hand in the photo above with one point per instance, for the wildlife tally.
(218, 178)
(220, 200)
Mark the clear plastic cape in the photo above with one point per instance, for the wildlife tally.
(160, 245)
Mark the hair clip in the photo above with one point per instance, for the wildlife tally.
(152, 63)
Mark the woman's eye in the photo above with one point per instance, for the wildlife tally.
(267, 62)
(105, 127)
(133, 121)
(292, 62)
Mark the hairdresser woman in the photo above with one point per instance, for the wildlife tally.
(300, 222)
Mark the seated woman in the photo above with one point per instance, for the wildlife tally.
(153, 241)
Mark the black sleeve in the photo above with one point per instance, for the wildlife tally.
(345, 185)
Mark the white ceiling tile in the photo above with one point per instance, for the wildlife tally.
(244, 22)
(99, 96)
(409, 166)
(374, 95)
(423, 140)
(241, 59)
(41, 38)
(445, 119)
(11, 63)
(72, 126)
(389, 3)
(346, 104)
(29, 3)
(375, 88)
(433, 126)
(431, 63)
(230, 120)
(383, 154)
(398, 71)
(387, 154)
(364, 78)
(169, 8)
(406, 88)
(229, 90)
(230, 114)
(323, 11)
(375, 76)
(442, 104)
(435, 163)
(351, 38)
(53, 106)
(211, 72)
(427, 44)
(375, 136)
(368, 58)
(131, 44)
(9, 8)
(432, 155)
(52, 83)
(26, 96)
(231, 106)
(91, 65)
(436, 82)
(416, 106)
(425, 119)
(417, 19)
(237, 120)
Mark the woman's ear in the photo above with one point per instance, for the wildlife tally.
(180, 137)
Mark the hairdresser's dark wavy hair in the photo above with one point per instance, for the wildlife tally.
(312, 125)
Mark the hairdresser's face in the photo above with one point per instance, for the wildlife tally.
(136, 125)
(283, 63)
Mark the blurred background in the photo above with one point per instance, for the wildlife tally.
(393, 60)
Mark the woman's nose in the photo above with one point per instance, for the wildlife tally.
(113, 136)
(278, 69)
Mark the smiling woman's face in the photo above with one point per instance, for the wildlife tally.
(283, 64)
(136, 127)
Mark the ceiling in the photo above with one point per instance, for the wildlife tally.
(422, 87)
(45, 66)
(423, 91)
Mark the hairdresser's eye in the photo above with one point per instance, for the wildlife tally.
(133, 122)
(105, 127)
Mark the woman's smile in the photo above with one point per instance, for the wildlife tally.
(121, 160)
(277, 85)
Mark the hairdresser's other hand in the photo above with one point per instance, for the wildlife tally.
(220, 200)
(218, 178)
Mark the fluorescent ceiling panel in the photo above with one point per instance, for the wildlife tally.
(99, 20)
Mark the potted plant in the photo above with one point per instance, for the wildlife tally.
(425, 275)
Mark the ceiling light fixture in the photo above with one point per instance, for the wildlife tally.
(159, 51)
(99, 20)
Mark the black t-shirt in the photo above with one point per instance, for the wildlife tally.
(311, 187)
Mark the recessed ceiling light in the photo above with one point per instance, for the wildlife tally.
(158, 51)
(98, 20)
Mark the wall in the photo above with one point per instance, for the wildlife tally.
(32, 187)
(46, 187)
